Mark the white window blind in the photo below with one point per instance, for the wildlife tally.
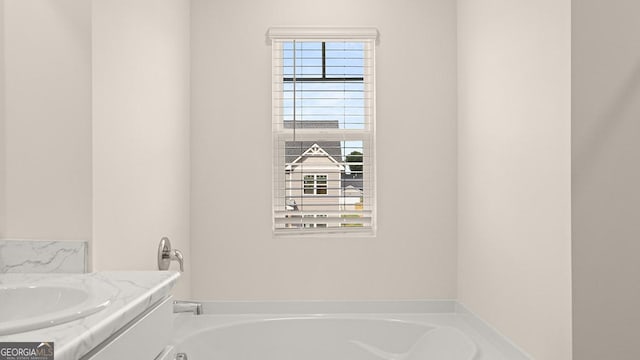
(323, 131)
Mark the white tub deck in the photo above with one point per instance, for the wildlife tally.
(441, 330)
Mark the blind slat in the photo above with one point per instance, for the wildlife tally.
(322, 220)
(325, 212)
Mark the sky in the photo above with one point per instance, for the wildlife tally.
(343, 101)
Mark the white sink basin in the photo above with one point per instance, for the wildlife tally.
(25, 308)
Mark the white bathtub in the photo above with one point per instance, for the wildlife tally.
(322, 338)
(340, 336)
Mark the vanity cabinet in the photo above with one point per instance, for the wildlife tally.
(142, 338)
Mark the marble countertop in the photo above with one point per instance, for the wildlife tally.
(130, 293)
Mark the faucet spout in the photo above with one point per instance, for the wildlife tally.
(187, 306)
(177, 255)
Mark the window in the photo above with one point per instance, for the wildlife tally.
(315, 185)
(323, 131)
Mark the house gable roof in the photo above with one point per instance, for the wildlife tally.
(293, 149)
(314, 150)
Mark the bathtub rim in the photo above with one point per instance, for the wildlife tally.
(389, 308)
(434, 306)
(233, 320)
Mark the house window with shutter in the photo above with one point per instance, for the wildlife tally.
(323, 115)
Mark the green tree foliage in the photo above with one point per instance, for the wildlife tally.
(355, 157)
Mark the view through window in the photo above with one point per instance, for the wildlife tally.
(323, 136)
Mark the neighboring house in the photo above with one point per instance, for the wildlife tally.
(315, 183)
(352, 191)
(353, 180)
(351, 198)
(317, 178)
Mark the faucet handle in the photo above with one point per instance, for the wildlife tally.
(166, 254)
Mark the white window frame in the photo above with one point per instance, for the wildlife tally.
(369, 36)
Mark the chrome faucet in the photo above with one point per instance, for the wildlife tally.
(187, 306)
(166, 255)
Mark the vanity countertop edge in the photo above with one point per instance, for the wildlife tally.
(130, 293)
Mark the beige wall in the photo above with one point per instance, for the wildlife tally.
(234, 254)
(514, 170)
(2, 114)
(140, 133)
(48, 119)
(606, 174)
